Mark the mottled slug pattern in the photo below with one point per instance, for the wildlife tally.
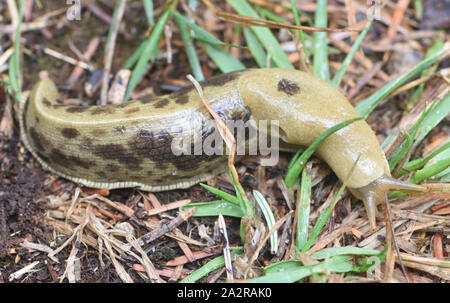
(129, 145)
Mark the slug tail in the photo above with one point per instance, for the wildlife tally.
(373, 194)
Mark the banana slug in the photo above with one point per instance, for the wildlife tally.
(129, 145)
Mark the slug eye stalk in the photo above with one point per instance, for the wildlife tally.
(373, 194)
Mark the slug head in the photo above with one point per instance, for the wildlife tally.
(374, 194)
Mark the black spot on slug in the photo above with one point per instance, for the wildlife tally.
(288, 87)
(161, 165)
(132, 110)
(101, 174)
(98, 132)
(112, 168)
(182, 99)
(46, 102)
(77, 109)
(59, 158)
(97, 110)
(120, 153)
(221, 80)
(161, 103)
(70, 133)
(38, 141)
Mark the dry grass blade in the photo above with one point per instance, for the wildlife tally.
(226, 249)
(271, 24)
(275, 227)
(108, 240)
(151, 236)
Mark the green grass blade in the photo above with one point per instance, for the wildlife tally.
(294, 172)
(148, 8)
(303, 211)
(14, 62)
(320, 47)
(255, 47)
(322, 220)
(201, 34)
(437, 114)
(214, 208)
(148, 52)
(346, 250)
(298, 23)
(417, 163)
(264, 35)
(221, 194)
(348, 59)
(436, 47)
(190, 49)
(366, 106)
(211, 266)
(430, 171)
(293, 271)
(402, 150)
(224, 60)
(270, 219)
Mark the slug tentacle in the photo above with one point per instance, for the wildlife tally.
(373, 194)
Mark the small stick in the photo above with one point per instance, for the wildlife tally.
(394, 242)
(275, 227)
(226, 249)
(154, 234)
(110, 51)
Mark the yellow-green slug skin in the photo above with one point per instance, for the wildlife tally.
(129, 145)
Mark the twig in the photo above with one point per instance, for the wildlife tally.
(274, 228)
(154, 234)
(109, 49)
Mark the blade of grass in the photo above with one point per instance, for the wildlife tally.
(303, 211)
(322, 220)
(212, 265)
(346, 250)
(224, 60)
(437, 46)
(148, 8)
(202, 34)
(214, 208)
(221, 194)
(348, 59)
(264, 35)
(417, 163)
(293, 270)
(301, 33)
(271, 16)
(366, 106)
(430, 171)
(270, 219)
(189, 48)
(403, 149)
(437, 114)
(256, 49)
(148, 52)
(294, 172)
(14, 62)
(320, 46)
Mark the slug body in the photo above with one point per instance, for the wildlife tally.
(130, 145)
